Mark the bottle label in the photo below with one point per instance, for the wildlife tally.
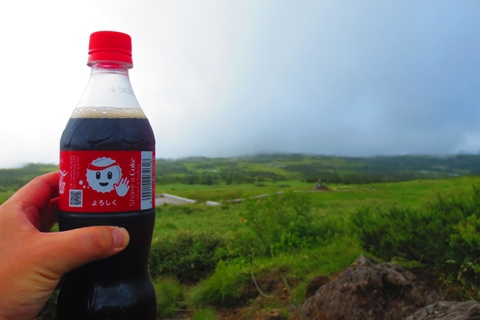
(106, 181)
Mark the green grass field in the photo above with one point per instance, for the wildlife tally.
(326, 257)
(204, 259)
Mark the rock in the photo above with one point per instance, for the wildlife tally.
(212, 203)
(366, 290)
(448, 310)
(320, 185)
(315, 284)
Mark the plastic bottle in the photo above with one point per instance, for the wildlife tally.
(107, 169)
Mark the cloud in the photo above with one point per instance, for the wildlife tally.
(225, 79)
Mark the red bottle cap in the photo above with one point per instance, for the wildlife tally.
(110, 46)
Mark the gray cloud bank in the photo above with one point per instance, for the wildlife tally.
(346, 78)
(229, 78)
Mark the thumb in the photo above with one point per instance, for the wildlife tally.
(74, 248)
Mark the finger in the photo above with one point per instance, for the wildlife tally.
(49, 217)
(24, 207)
(33, 199)
(71, 249)
(38, 192)
(40, 220)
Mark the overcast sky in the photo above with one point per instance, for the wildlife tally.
(238, 77)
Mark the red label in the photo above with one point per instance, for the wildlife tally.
(106, 181)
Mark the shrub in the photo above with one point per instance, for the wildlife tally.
(444, 235)
(205, 314)
(284, 223)
(223, 289)
(465, 248)
(186, 256)
(169, 294)
(390, 232)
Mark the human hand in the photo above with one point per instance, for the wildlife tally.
(33, 261)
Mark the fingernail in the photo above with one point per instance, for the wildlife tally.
(120, 237)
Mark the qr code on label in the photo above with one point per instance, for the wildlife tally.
(76, 198)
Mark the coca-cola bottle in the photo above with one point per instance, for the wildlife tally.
(107, 177)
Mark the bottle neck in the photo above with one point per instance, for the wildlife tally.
(109, 87)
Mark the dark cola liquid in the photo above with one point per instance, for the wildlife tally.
(119, 287)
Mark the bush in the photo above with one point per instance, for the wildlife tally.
(444, 235)
(185, 256)
(223, 289)
(284, 223)
(205, 314)
(465, 244)
(169, 294)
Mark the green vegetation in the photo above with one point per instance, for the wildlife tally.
(260, 254)
(13, 179)
(170, 294)
(311, 168)
(442, 235)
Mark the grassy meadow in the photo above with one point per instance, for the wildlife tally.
(259, 254)
(273, 242)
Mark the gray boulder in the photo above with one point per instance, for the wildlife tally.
(367, 290)
(449, 310)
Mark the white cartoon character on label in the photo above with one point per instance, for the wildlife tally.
(104, 175)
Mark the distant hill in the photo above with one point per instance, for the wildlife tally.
(311, 168)
(280, 167)
(16, 178)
